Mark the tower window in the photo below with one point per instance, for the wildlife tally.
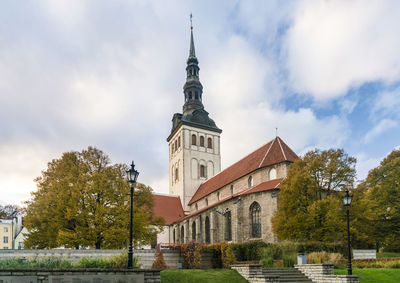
(201, 141)
(209, 143)
(190, 95)
(176, 174)
(196, 96)
(194, 142)
(179, 141)
(202, 171)
(173, 148)
(176, 145)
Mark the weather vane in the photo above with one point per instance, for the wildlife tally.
(191, 23)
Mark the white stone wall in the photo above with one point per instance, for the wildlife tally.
(188, 159)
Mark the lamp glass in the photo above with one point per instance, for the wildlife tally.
(347, 199)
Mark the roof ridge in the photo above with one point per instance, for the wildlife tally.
(283, 152)
(267, 152)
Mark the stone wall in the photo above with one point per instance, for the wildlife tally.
(87, 275)
(253, 273)
(322, 273)
(146, 257)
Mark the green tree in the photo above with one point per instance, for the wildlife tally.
(379, 198)
(309, 207)
(82, 200)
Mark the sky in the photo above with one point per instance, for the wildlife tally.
(110, 74)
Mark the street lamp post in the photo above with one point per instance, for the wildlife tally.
(347, 201)
(132, 177)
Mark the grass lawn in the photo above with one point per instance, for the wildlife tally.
(373, 275)
(201, 275)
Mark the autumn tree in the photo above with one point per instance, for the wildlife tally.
(309, 205)
(379, 202)
(9, 210)
(83, 200)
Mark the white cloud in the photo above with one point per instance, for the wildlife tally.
(365, 164)
(380, 128)
(386, 103)
(333, 46)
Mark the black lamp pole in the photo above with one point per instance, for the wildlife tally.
(347, 200)
(132, 177)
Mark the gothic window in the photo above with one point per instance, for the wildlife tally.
(250, 181)
(231, 190)
(194, 231)
(207, 226)
(206, 201)
(209, 143)
(228, 226)
(255, 220)
(182, 234)
(201, 141)
(202, 171)
(194, 142)
(176, 174)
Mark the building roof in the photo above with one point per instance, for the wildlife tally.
(168, 207)
(274, 152)
(263, 187)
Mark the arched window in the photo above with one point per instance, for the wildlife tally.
(194, 231)
(218, 195)
(209, 143)
(202, 171)
(272, 174)
(194, 142)
(250, 181)
(173, 236)
(201, 141)
(207, 226)
(196, 206)
(176, 145)
(231, 190)
(179, 141)
(228, 226)
(190, 95)
(182, 234)
(176, 174)
(206, 201)
(255, 220)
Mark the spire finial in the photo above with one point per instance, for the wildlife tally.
(191, 23)
(276, 131)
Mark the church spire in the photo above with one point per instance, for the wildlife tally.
(193, 89)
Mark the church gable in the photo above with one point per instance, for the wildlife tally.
(274, 152)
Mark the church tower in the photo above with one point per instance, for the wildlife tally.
(194, 142)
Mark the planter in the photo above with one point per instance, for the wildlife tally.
(302, 258)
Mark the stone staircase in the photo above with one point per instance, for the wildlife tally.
(287, 275)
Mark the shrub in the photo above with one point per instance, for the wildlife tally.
(249, 251)
(227, 255)
(159, 262)
(272, 251)
(289, 260)
(215, 249)
(192, 254)
(267, 262)
(86, 262)
(325, 257)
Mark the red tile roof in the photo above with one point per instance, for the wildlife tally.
(266, 186)
(274, 152)
(168, 207)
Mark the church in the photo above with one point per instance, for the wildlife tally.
(205, 204)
